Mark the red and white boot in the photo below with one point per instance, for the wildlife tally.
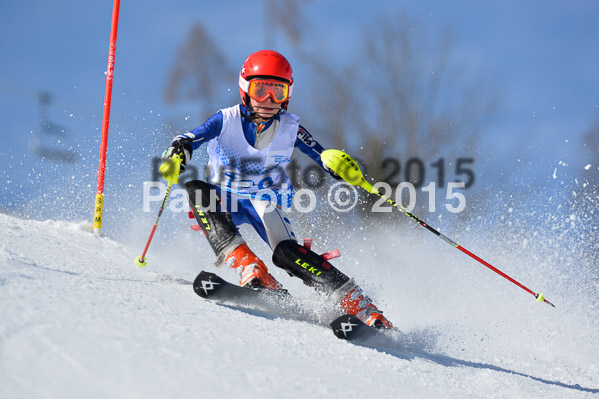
(253, 272)
(359, 305)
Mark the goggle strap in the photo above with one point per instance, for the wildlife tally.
(244, 84)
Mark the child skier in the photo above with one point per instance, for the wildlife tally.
(250, 144)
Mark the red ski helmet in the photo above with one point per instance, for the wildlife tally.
(266, 64)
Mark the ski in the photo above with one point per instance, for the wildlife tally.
(274, 302)
(350, 327)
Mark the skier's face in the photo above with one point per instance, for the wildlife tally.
(264, 109)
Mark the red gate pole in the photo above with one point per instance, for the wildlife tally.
(99, 205)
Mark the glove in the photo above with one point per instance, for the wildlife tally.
(181, 148)
(174, 159)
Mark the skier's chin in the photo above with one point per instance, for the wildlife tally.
(267, 114)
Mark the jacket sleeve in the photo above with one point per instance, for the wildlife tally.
(308, 145)
(204, 133)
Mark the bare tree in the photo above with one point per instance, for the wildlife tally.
(200, 69)
(405, 96)
(286, 16)
(410, 96)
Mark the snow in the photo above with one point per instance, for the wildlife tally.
(80, 320)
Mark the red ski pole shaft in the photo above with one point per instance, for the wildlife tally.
(140, 260)
(344, 166)
(458, 246)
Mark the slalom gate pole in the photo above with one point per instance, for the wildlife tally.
(99, 204)
(140, 260)
(342, 164)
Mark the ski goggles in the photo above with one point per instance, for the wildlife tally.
(262, 89)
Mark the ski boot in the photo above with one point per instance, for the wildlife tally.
(359, 305)
(316, 271)
(251, 269)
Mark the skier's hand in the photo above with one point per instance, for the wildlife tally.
(174, 160)
(181, 148)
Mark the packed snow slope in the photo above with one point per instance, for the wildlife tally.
(79, 320)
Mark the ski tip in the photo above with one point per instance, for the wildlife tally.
(344, 326)
(350, 327)
(140, 262)
(206, 283)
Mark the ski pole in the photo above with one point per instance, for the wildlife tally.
(170, 171)
(342, 164)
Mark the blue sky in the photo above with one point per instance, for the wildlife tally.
(543, 57)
